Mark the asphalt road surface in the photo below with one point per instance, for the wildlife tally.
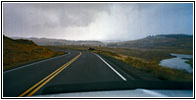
(74, 67)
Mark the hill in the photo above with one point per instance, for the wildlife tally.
(20, 51)
(171, 41)
(47, 41)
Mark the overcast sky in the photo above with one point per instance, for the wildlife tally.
(96, 21)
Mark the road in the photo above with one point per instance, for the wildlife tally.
(74, 67)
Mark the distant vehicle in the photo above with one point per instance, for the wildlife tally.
(91, 49)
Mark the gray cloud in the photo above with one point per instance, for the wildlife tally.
(100, 21)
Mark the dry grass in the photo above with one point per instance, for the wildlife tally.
(150, 67)
(17, 52)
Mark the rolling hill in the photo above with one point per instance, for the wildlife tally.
(47, 41)
(171, 41)
(20, 51)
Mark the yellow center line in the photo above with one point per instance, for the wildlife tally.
(48, 78)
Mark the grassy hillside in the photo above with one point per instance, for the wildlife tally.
(172, 41)
(59, 42)
(18, 52)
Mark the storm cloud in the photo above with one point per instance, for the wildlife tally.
(96, 21)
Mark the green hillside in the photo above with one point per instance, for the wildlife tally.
(18, 52)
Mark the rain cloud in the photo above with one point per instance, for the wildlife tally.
(96, 21)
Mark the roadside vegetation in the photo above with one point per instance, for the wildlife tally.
(20, 52)
(155, 55)
(150, 67)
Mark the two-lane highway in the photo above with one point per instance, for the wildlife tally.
(75, 67)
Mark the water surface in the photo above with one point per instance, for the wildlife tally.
(178, 62)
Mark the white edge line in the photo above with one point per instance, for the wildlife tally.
(35, 63)
(112, 68)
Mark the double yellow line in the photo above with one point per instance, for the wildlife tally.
(41, 83)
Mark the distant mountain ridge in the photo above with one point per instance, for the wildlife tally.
(180, 41)
(176, 41)
(47, 41)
